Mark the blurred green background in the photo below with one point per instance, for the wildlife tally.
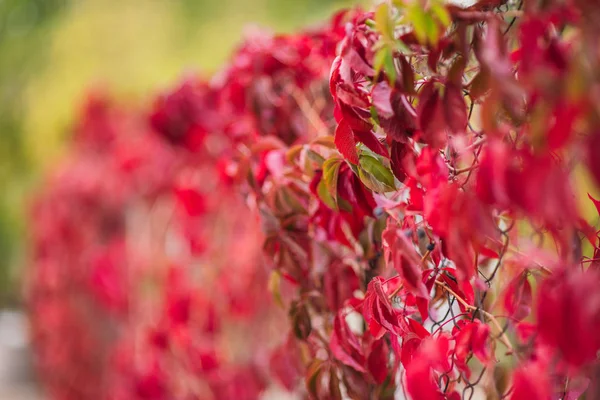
(52, 51)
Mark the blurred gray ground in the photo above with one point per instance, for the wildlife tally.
(17, 381)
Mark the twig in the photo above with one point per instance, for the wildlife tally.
(503, 338)
(309, 112)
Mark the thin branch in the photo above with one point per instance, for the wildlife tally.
(309, 112)
(503, 338)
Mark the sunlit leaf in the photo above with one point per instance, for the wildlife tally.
(375, 175)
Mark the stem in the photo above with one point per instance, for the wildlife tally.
(311, 115)
(462, 170)
(503, 338)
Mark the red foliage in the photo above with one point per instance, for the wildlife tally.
(413, 180)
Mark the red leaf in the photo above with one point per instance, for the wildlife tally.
(568, 313)
(381, 96)
(402, 255)
(564, 118)
(191, 200)
(350, 97)
(339, 283)
(430, 115)
(593, 160)
(408, 350)
(417, 328)
(355, 61)
(432, 354)
(398, 152)
(344, 142)
(344, 344)
(352, 118)
(285, 364)
(596, 203)
(419, 381)
(455, 109)
(517, 298)
(378, 310)
(377, 361)
(530, 382)
(369, 140)
(471, 337)
(334, 76)
(458, 290)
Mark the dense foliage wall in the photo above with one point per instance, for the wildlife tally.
(413, 170)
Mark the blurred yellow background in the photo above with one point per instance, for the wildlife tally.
(52, 51)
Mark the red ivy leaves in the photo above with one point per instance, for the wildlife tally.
(378, 360)
(455, 109)
(471, 337)
(378, 311)
(431, 115)
(192, 201)
(530, 382)
(401, 254)
(345, 143)
(568, 311)
(518, 297)
(432, 356)
(345, 345)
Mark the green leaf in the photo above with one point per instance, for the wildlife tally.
(331, 171)
(418, 18)
(426, 29)
(379, 59)
(374, 115)
(401, 47)
(293, 152)
(383, 22)
(432, 30)
(441, 14)
(314, 156)
(286, 200)
(384, 60)
(375, 175)
(324, 195)
(275, 287)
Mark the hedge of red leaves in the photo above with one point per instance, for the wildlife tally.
(412, 168)
(135, 245)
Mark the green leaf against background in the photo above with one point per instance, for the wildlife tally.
(384, 60)
(375, 175)
(315, 157)
(416, 15)
(425, 26)
(383, 22)
(432, 30)
(327, 187)
(331, 170)
(441, 13)
(275, 287)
